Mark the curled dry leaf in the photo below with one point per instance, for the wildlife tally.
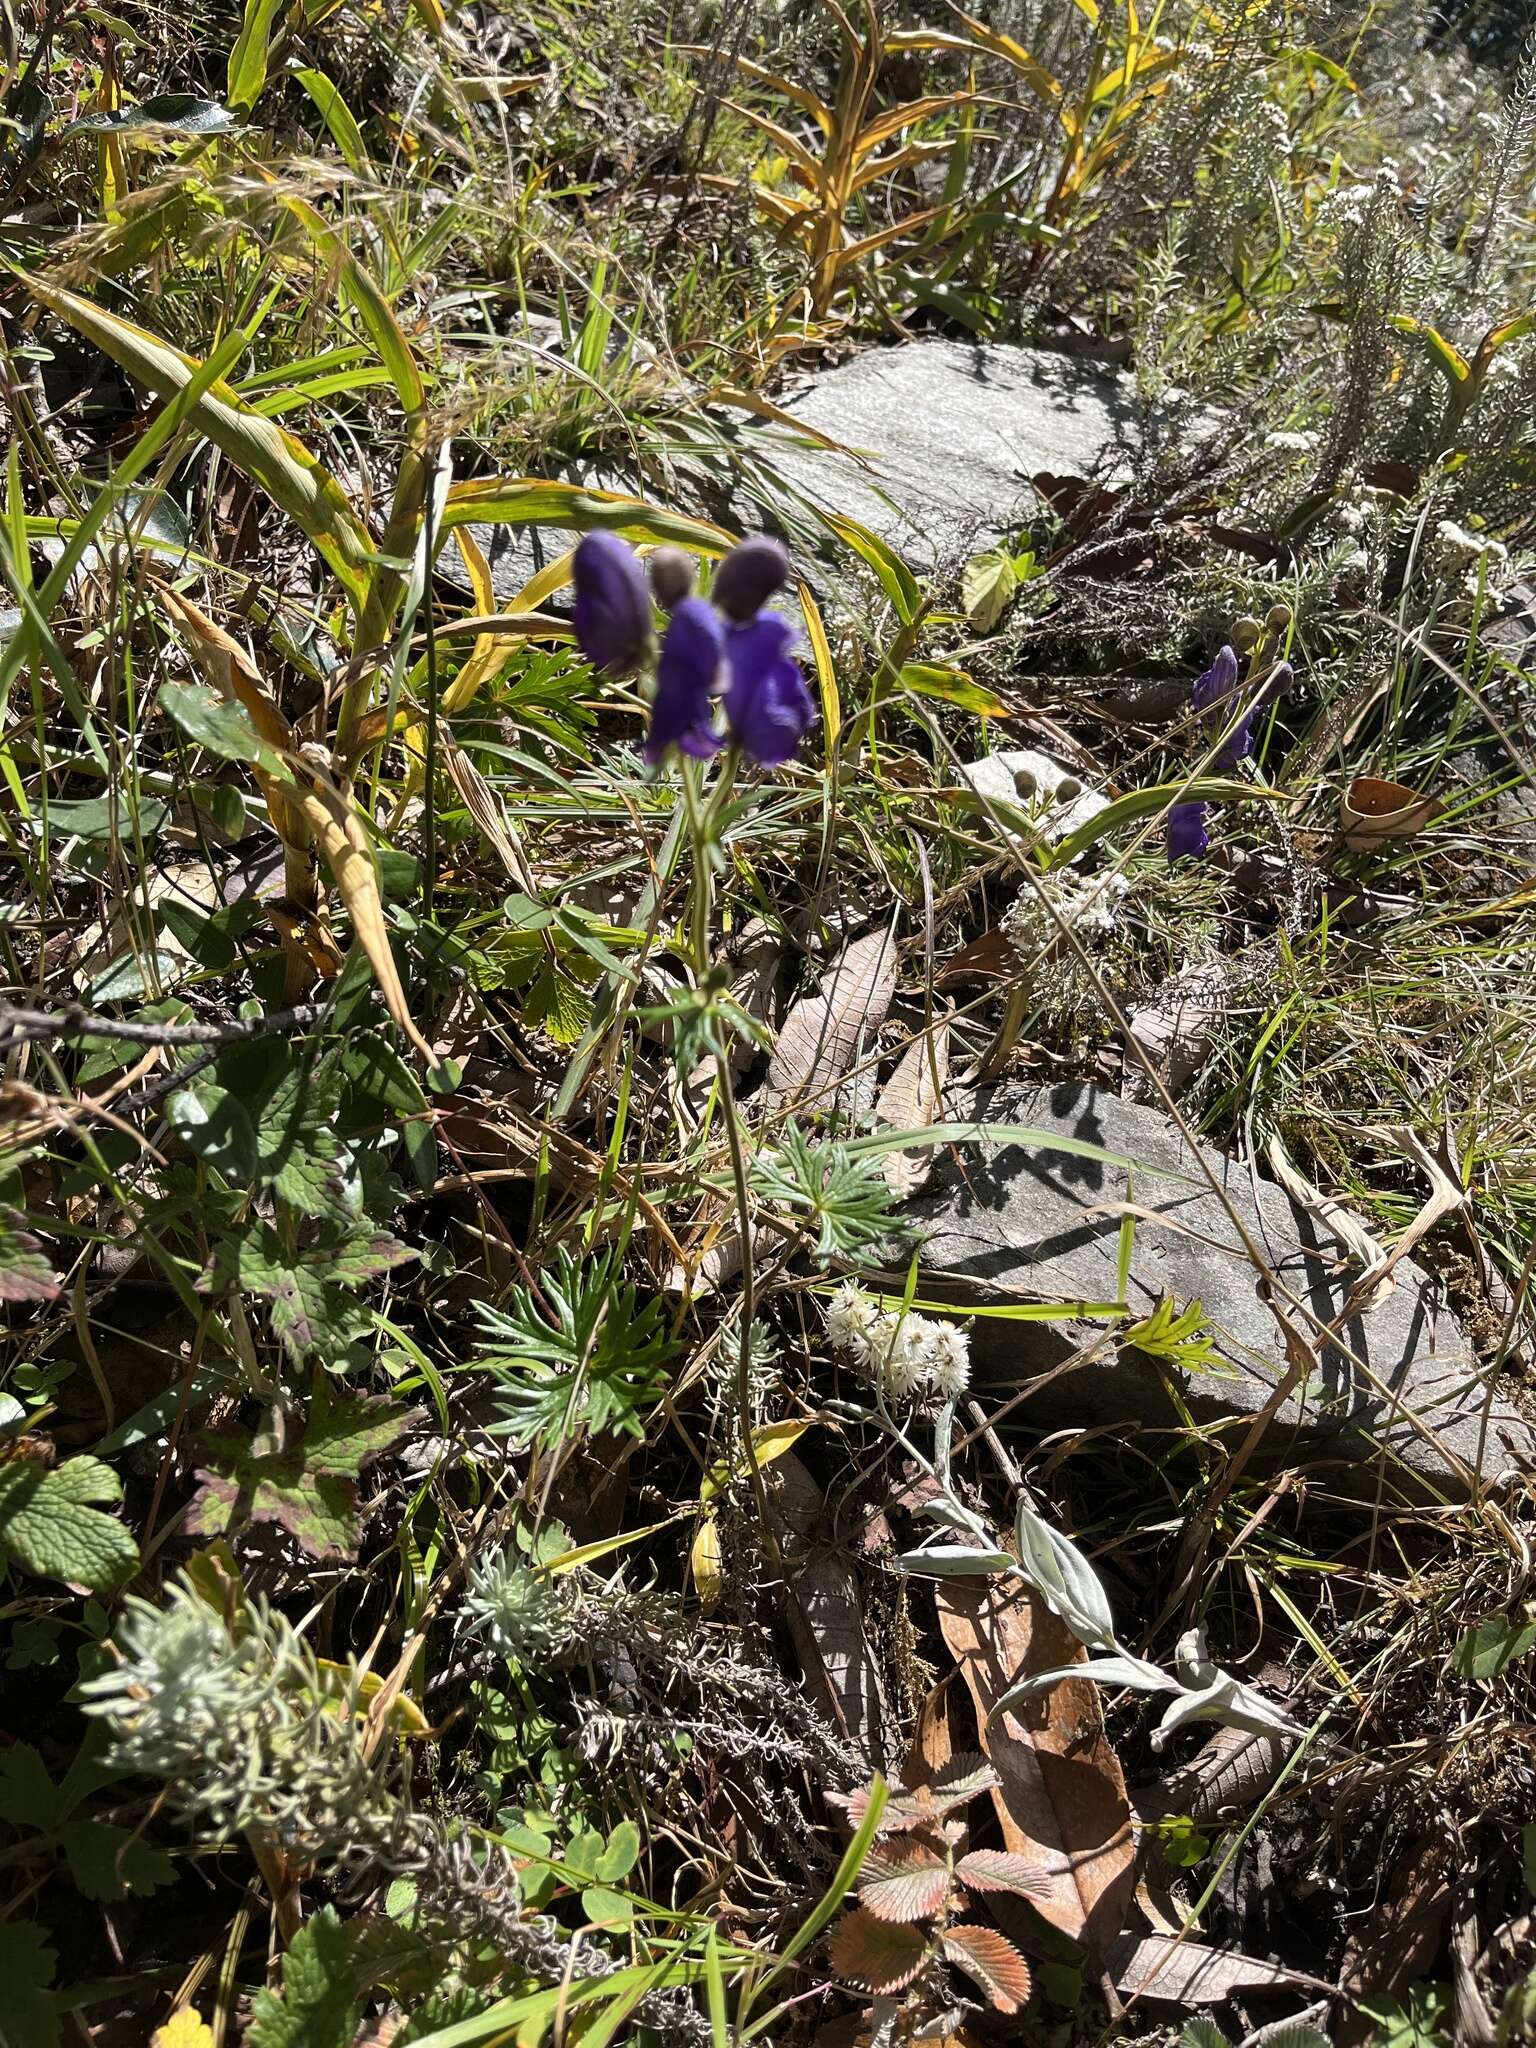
(821, 1034)
(1234, 1770)
(878, 1955)
(1061, 1800)
(910, 1101)
(992, 1961)
(1371, 811)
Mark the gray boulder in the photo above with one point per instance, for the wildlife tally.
(951, 433)
(1015, 1221)
(947, 435)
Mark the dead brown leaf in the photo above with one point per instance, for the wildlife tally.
(1062, 1801)
(826, 1618)
(1371, 811)
(822, 1032)
(1162, 1967)
(910, 1101)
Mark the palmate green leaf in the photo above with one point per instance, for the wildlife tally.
(310, 1294)
(215, 1125)
(111, 1862)
(308, 1486)
(987, 586)
(50, 1523)
(320, 2003)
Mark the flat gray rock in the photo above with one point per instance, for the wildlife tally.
(952, 432)
(1011, 1221)
(947, 435)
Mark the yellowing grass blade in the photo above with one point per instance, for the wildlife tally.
(537, 501)
(281, 465)
(339, 834)
(826, 673)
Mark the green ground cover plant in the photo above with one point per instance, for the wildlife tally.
(502, 1540)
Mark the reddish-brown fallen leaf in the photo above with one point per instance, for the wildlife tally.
(876, 1954)
(994, 1963)
(999, 1870)
(903, 1880)
(1371, 811)
(1061, 1801)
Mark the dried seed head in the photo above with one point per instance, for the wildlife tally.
(672, 574)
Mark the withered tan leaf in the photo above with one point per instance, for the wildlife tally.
(822, 1032)
(1061, 1801)
(911, 1100)
(826, 1616)
(338, 832)
(1160, 1966)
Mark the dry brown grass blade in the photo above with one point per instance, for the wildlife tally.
(1062, 1802)
(821, 1034)
(911, 1099)
(339, 834)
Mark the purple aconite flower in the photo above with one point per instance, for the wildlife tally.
(766, 701)
(1212, 690)
(613, 606)
(755, 570)
(685, 683)
(1187, 836)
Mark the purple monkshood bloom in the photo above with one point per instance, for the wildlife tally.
(613, 607)
(1217, 684)
(686, 675)
(1187, 836)
(766, 701)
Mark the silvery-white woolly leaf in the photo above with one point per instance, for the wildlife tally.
(1225, 1700)
(1064, 1579)
(954, 1516)
(955, 1561)
(1120, 1670)
(1192, 1660)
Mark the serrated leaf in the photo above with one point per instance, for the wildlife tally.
(48, 1525)
(320, 2003)
(309, 1293)
(25, 1273)
(186, 2028)
(821, 1033)
(997, 1870)
(903, 1880)
(309, 1486)
(216, 1126)
(987, 586)
(109, 1862)
(992, 1961)
(31, 2016)
(879, 1955)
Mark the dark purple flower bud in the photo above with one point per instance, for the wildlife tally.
(766, 701)
(686, 676)
(1187, 836)
(1218, 682)
(750, 574)
(613, 608)
(1239, 744)
(672, 574)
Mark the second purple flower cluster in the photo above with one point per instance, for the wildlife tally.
(729, 647)
(1212, 700)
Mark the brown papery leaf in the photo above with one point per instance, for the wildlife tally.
(1062, 1801)
(910, 1101)
(993, 1961)
(1160, 1966)
(826, 1619)
(1371, 811)
(822, 1032)
(878, 1954)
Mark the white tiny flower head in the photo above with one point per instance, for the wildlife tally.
(850, 1318)
(949, 1361)
(903, 1356)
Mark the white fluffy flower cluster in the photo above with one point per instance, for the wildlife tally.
(1090, 904)
(907, 1356)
